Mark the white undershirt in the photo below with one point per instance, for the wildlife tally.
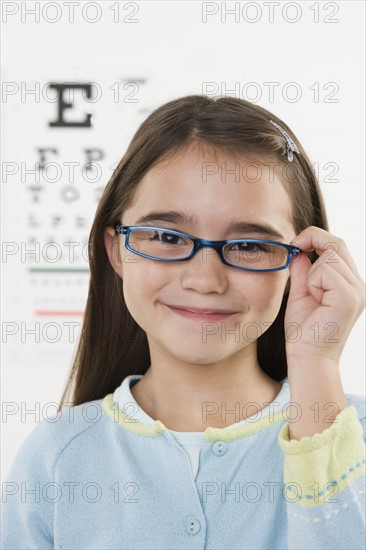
(191, 442)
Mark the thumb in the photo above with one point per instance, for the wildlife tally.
(299, 268)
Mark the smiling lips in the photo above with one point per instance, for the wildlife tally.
(202, 311)
(203, 314)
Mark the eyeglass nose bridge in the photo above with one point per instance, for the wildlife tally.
(216, 245)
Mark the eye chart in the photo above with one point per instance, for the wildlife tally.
(67, 133)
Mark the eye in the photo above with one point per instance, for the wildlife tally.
(247, 247)
(168, 238)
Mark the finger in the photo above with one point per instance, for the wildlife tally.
(335, 261)
(299, 270)
(330, 289)
(319, 240)
(307, 278)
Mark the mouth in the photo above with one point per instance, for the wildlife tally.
(201, 314)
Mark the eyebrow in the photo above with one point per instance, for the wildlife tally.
(177, 216)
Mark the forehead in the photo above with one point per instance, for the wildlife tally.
(214, 187)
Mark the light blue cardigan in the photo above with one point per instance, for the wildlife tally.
(91, 477)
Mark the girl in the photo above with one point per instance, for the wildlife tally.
(207, 404)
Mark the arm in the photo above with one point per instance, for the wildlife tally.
(324, 476)
(324, 445)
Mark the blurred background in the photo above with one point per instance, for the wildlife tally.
(78, 78)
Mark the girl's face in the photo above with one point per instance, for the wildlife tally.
(214, 193)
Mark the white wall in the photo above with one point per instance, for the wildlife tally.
(310, 54)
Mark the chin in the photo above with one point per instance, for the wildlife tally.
(202, 358)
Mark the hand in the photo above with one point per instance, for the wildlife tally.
(325, 299)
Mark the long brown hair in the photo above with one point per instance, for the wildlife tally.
(111, 344)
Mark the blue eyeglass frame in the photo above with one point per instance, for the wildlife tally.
(199, 243)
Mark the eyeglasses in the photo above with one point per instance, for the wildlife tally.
(167, 245)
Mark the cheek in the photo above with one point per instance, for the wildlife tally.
(135, 292)
(141, 279)
(265, 292)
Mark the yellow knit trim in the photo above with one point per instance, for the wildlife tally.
(319, 467)
(131, 424)
(250, 428)
(210, 434)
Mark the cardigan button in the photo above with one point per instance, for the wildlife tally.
(193, 526)
(219, 448)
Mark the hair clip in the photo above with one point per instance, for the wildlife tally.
(291, 145)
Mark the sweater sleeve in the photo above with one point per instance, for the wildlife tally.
(28, 495)
(324, 477)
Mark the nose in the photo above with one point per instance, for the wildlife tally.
(205, 272)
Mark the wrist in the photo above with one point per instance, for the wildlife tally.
(317, 394)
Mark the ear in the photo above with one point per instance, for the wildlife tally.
(111, 243)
